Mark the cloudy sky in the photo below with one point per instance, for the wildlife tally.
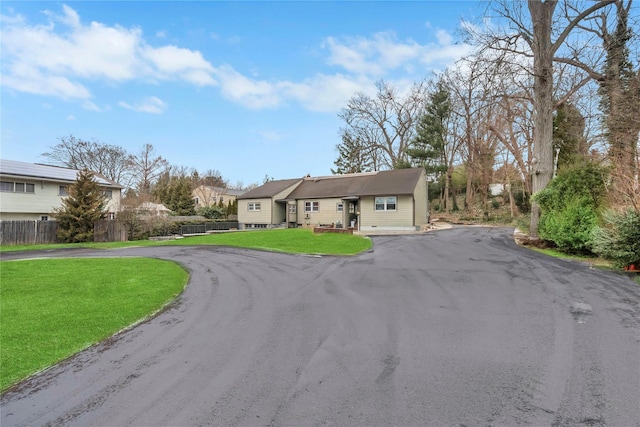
(247, 88)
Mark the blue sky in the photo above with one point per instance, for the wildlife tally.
(247, 88)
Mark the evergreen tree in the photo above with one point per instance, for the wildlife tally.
(568, 135)
(353, 156)
(175, 193)
(428, 147)
(80, 210)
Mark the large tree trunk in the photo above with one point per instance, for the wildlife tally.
(542, 16)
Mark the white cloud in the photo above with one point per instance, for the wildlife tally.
(151, 105)
(60, 61)
(254, 94)
(188, 64)
(384, 52)
(71, 117)
(88, 105)
(63, 62)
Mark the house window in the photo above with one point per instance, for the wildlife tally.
(221, 198)
(62, 190)
(108, 194)
(386, 203)
(292, 209)
(196, 201)
(17, 187)
(339, 207)
(112, 215)
(253, 207)
(311, 206)
(44, 218)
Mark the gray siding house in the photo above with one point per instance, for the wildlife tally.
(380, 200)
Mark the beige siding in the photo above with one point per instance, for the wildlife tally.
(207, 196)
(271, 212)
(328, 213)
(263, 216)
(421, 203)
(16, 206)
(402, 217)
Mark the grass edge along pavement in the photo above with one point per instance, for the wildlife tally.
(43, 300)
(291, 240)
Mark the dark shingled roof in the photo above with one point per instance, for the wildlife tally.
(330, 186)
(381, 183)
(269, 189)
(398, 181)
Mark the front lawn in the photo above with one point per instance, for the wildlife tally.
(53, 308)
(292, 240)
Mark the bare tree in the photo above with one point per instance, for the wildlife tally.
(473, 112)
(147, 168)
(110, 161)
(540, 36)
(384, 125)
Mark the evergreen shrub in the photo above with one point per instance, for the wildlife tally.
(618, 239)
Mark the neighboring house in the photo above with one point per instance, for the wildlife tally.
(150, 209)
(382, 200)
(205, 196)
(31, 191)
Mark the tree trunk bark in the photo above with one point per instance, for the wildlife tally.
(542, 173)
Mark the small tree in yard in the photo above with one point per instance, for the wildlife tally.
(80, 210)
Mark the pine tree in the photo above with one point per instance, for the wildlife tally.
(80, 210)
(353, 156)
(427, 148)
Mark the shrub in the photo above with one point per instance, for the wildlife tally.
(571, 227)
(212, 212)
(618, 240)
(570, 206)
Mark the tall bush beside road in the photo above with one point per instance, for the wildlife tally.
(618, 240)
(570, 207)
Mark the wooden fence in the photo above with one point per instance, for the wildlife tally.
(43, 232)
(27, 232)
(106, 230)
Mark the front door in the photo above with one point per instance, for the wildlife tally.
(292, 215)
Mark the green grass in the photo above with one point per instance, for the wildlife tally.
(600, 263)
(53, 308)
(292, 240)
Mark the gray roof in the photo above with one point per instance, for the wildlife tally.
(330, 186)
(269, 189)
(389, 183)
(46, 172)
(229, 191)
(379, 183)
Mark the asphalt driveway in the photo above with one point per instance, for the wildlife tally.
(454, 327)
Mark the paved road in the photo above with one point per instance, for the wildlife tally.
(454, 328)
